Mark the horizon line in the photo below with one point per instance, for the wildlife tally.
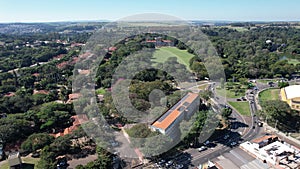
(188, 20)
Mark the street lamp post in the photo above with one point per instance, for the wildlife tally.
(276, 124)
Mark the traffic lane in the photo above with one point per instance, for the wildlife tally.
(238, 123)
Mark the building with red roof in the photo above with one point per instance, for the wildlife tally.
(9, 94)
(40, 92)
(77, 121)
(73, 96)
(159, 42)
(168, 122)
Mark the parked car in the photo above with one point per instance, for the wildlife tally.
(169, 163)
(226, 136)
(35, 155)
(207, 142)
(202, 148)
(179, 166)
(233, 143)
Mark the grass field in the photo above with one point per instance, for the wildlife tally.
(293, 61)
(162, 54)
(270, 94)
(203, 87)
(239, 29)
(29, 163)
(242, 107)
(228, 93)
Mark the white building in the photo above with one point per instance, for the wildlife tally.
(277, 154)
(168, 122)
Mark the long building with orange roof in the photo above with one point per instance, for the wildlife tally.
(168, 122)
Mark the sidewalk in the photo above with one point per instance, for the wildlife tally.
(136, 150)
(282, 135)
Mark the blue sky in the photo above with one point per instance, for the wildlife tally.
(69, 10)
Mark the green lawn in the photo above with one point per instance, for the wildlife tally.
(242, 107)
(228, 93)
(25, 160)
(293, 61)
(162, 54)
(203, 87)
(270, 94)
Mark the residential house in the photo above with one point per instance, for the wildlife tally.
(159, 42)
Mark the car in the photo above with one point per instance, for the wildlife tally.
(226, 136)
(203, 148)
(179, 166)
(62, 163)
(157, 165)
(114, 143)
(233, 143)
(207, 142)
(161, 162)
(169, 163)
(35, 155)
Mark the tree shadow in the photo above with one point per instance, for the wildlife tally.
(27, 166)
(228, 138)
(236, 125)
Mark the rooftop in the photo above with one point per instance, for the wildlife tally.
(171, 115)
(260, 139)
(292, 91)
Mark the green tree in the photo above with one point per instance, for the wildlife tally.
(226, 112)
(37, 141)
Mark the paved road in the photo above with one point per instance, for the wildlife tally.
(246, 133)
(237, 133)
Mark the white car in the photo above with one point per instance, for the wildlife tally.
(202, 148)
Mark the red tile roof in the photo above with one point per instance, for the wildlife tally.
(151, 41)
(40, 92)
(77, 44)
(36, 74)
(62, 65)
(167, 121)
(74, 96)
(85, 55)
(9, 94)
(112, 48)
(58, 56)
(78, 120)
(260, 139)
(84, 72)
